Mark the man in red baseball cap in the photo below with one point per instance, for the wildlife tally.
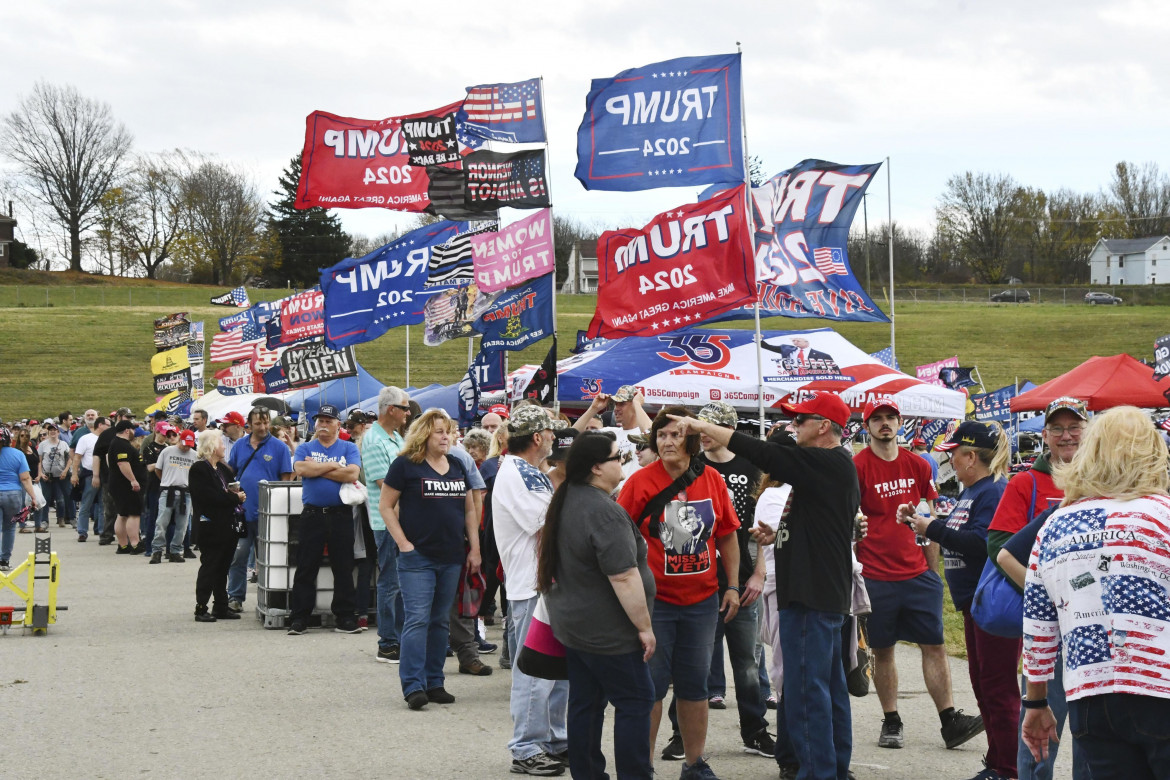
(814, 572)
(901, 577)
(232, 424)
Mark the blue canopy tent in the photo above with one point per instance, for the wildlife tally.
(433, 395)
(342, 393)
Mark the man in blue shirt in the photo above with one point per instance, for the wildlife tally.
(324, 464)
(255, 458)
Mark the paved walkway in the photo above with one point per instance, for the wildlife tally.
(126, 684)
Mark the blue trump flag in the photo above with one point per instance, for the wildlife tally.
(517, 317)
(488, 368)
(802, 265)
(671, 124)
(366, 296)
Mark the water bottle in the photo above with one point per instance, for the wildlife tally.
(922, 510)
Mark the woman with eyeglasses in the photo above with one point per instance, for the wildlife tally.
(979, 455)
(599, 591)
(23, 442)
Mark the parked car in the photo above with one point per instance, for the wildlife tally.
(1094, 298)
(1016, 295)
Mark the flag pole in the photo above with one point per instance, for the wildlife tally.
(747, 205)
(890, 239)
(556, 404)
(407, 357)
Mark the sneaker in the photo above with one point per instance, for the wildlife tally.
(104, 542)
(450, 652)
(961, 728)
(542, 765)
(891, 736)
(204, 616)
(44, 530)
(225, 614)
(124, 550)
(364, 623)
(790, 771)
(440, 696)
(188, 554)
(505, 662)
(716, 702)
(82, 537)
(235, 605)
(476, 668)
(417, 700)
(697, 771)
(487, 647)
(252, 576)
(4, 566)
(347, 626)
(175, 558)
(138, 549)
(563, 756)
(761, 744)
(771, 702)
(297, 628)
(156, 558)
(391, 656)
(674, 748)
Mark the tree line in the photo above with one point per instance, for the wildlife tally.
(188, 216)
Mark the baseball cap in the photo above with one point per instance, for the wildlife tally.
(625, 393)
(161, 414)
(876, 404)
(328, 410)
(125, 411)
(140, 431)
(282, 422)
(50, 424)
(639, 439)
(163, 427)
(918, 442)
(358, 416)
(561, 444)
(823, 404)
(528, 420)
(971, 434)
(499, 409)
(232, 418)
(187, 437)
(719, 413)
(1074, 405)
(124, 425)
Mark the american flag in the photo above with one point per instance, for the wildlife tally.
(505, 112)
(195, 352)
(180, 399)
(1165, 424)
(830, 260)
(265, 358)
(451, 262)
(886, 356)
(230, 346)
(237, 297)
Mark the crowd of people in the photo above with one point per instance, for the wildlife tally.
(650, 545)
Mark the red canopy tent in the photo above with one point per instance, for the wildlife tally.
(1102, 383)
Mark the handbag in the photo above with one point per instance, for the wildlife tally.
(542, 655)
(998, 607)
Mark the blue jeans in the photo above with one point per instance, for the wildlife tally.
(390, 611)
(539, 707)
(182, 520)
(91, 504)
(237, 584)
(623, 681)
(56, 490)
(815, 712)
(1123, 736)
(1029, 768)
(11, 502)
(428, 590)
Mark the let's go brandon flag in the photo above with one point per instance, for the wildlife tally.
(686, 266)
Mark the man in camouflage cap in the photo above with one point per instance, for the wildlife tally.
(528, 420)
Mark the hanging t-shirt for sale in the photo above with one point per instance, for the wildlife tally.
(432, 507)
(682, 541)
(888, 552)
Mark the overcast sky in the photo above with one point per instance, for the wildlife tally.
(1054, 93)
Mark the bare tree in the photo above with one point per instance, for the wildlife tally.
(1140, 194)
(978, 211)
(70, 151)
(155, 210)
(224, 212)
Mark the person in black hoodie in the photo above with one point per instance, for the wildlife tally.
(214, 506)
(814, 577)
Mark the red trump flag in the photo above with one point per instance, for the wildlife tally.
(686, 266)
(375, 163)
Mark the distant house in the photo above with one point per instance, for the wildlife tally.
(582, 276)
(1118, 261)
(7, 236)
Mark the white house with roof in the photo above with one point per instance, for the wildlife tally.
(1130, 261)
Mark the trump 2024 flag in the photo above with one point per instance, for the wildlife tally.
(686, 266)
(671, 124)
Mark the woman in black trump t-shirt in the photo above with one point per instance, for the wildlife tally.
(430, 513)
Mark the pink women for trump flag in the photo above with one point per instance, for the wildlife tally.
(517, 253)
(686, 266)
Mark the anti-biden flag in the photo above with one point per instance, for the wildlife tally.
(670, 124)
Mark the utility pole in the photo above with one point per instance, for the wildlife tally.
(865, 215)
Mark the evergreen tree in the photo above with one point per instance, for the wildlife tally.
(310, 239)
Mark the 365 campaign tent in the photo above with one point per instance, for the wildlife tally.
(693, 367)
(1102, 383)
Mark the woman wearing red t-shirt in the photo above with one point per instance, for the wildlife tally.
(682, 532)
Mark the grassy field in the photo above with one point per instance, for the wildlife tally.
(91, 345)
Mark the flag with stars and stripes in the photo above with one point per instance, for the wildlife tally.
(504, 112)
(451, 262)
(231, 346)
(237, 297)
(830, 261)
(886, 356)
(494, 180)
